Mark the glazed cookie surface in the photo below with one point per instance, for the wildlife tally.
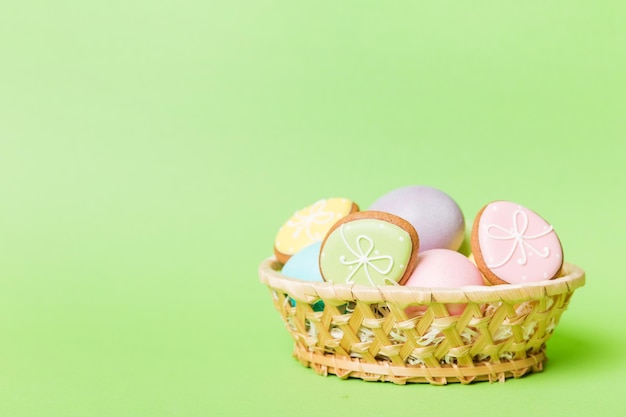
(513, 244)
(369, 248)
(310, 225)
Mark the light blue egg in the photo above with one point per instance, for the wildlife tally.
(304, 264)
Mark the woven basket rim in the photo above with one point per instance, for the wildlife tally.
(572, 277)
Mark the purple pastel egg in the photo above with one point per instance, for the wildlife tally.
(435, 216)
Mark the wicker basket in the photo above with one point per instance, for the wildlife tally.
(356, 331)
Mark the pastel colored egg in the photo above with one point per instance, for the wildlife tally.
(304, 265)
(443, 268)
(369, 248)
(513, 244)
(310, 225)
(435, 215)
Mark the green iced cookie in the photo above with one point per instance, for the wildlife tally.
(369, 248)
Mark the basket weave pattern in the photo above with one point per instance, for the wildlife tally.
(365, 332)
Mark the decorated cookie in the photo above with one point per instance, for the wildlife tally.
(369, 248)
(435, 216)
(443, 268)
(310, 225)
(512, 244)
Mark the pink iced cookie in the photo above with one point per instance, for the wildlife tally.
(443, 268)
(512, 244)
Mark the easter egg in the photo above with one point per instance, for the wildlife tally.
(304, 265)
(436, 217)
(443, 268)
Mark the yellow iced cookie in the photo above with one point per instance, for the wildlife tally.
(310, 225)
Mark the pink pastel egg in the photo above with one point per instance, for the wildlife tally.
(443, 268)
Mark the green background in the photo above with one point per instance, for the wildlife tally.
(150, 150)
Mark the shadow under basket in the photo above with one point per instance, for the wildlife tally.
(405, 335)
